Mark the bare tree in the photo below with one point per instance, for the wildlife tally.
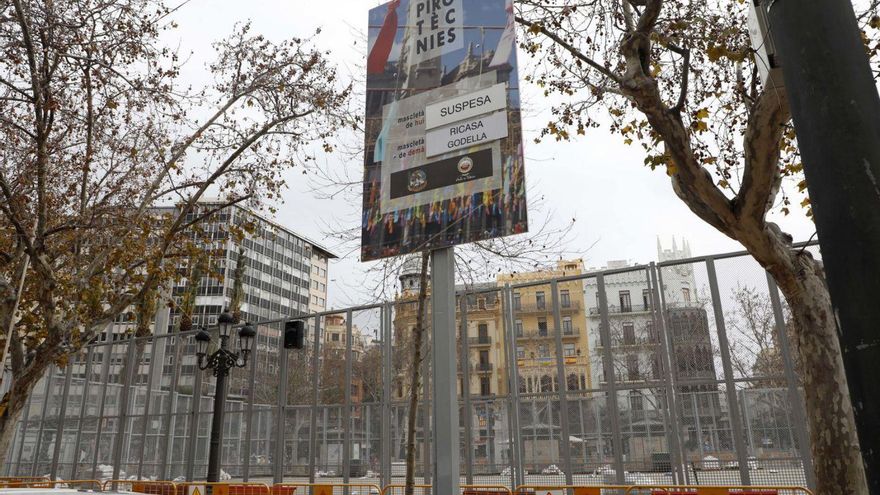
(681, 80)
(98, 133)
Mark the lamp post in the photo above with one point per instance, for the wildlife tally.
(220, 362)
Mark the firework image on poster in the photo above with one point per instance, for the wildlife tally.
(443, 160)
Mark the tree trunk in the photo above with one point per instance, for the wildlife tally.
(837, 461)
(418, 333)
(15, 398)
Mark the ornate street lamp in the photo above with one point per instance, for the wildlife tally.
(220, 362)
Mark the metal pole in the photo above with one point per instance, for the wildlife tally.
(667, 358)
(316, 373)
(216, 442)
(346, 412)
(190, 454)
(105, 378)
(791, 382)
(445, 399)
(385, 469)
(515, 439)
(119, 439)
(610, 378)
(280, 419)
(147, 401)
(729, 384)
(425, 405)
(49, 377)
(562, 385)
(834, 104)
(249, 432)
(171, 411)
(84, 399)
(464, 361)
(59, 429)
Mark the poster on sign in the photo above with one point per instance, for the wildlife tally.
(443, 161)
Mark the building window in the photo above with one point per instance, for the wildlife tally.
(653, 337)
(481, 303)
(520, 352)
(483, 332)
(540, 301)
(646, 299)
(522, 384)
(625, 302)
(635, 401)
(686, 295)
(568, 350)
(517, 301)
(565, 298)
(542, 327)
(546, 384)
(567, 329)
(543, 351)
(485, 386)
(334, 337)
(572, 382)
(632, 367)
(484, 360)
(519, 328)
(629, 333)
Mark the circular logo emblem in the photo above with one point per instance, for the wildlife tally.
(465, 165)
(418, 180)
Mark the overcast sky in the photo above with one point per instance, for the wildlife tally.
(620, 205)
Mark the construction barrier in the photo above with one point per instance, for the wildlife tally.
(223, 488)
(93, 485)
(141, 486)
(326, 489)
(717, 490)
(17, 481)
(569, 489)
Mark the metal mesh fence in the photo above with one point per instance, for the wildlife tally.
(672, 373)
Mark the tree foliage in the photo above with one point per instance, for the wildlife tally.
(98, 133)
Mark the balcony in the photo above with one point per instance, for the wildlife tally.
(483, 367)
(480, 341)
(567, 333)
(614, 309)
(547, 307)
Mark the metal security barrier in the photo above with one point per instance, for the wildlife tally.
(223, 488)
(326, 489)
(142, 486)
(717, 490)
(398, 489)
(94, 485)
(570, 489)
(610, 376)
(16, 481)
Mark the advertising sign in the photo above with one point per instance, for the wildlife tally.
(443, 157)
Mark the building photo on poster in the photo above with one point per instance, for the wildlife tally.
(443, 161)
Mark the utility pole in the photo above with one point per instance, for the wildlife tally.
(836, 112)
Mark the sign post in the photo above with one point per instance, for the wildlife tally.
(443, 161)
(445, 397)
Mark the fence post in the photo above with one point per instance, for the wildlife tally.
(196, 406)
(59, 429)
(119, 439)
(562, 384)
(791, 381)
(280, 419)
(316, 373)
(464, 361)
(729, 384)
(82, 412)
(385, 470)
(105, 376)
(667, 353)
(248, 434)
(49, 378)
(346, 412)
(515, 435)
(147, 401)
(610, 378)
(171, 413)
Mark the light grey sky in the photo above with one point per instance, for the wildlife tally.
(619, 204)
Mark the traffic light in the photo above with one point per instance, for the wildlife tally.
(294, 334)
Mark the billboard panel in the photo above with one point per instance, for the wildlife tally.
(443, 148)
